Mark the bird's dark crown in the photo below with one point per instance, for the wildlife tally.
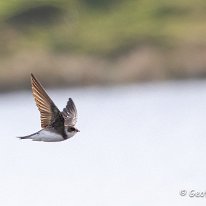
(72, 129)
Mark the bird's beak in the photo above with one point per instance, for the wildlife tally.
(77, 130)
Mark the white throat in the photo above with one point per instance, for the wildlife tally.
(70, 134)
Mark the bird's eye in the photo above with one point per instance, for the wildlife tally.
(71, 129)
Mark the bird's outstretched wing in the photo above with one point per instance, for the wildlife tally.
(50, 114)
(70, 113)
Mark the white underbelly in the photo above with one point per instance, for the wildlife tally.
(47, 136)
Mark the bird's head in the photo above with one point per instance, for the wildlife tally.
(71, 131)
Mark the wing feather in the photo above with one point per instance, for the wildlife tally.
(48, 111)
(70, 113)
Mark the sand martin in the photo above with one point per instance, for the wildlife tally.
(56, 126)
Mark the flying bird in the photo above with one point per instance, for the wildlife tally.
(56, 126)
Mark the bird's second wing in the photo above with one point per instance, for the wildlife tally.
(70, 113)
(50, 114)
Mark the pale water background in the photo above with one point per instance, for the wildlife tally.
(138, 145)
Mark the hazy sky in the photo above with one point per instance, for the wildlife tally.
(138, 145)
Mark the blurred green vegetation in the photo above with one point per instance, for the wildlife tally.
(83, 42)
(107, 28)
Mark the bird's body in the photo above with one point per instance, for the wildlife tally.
(45, 136)
(56, 126)
(48, 135)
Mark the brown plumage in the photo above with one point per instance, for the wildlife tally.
(57, 126)
(50, 114)
(70, 113)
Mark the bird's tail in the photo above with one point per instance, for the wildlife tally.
(27, 137)
(24, 137)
